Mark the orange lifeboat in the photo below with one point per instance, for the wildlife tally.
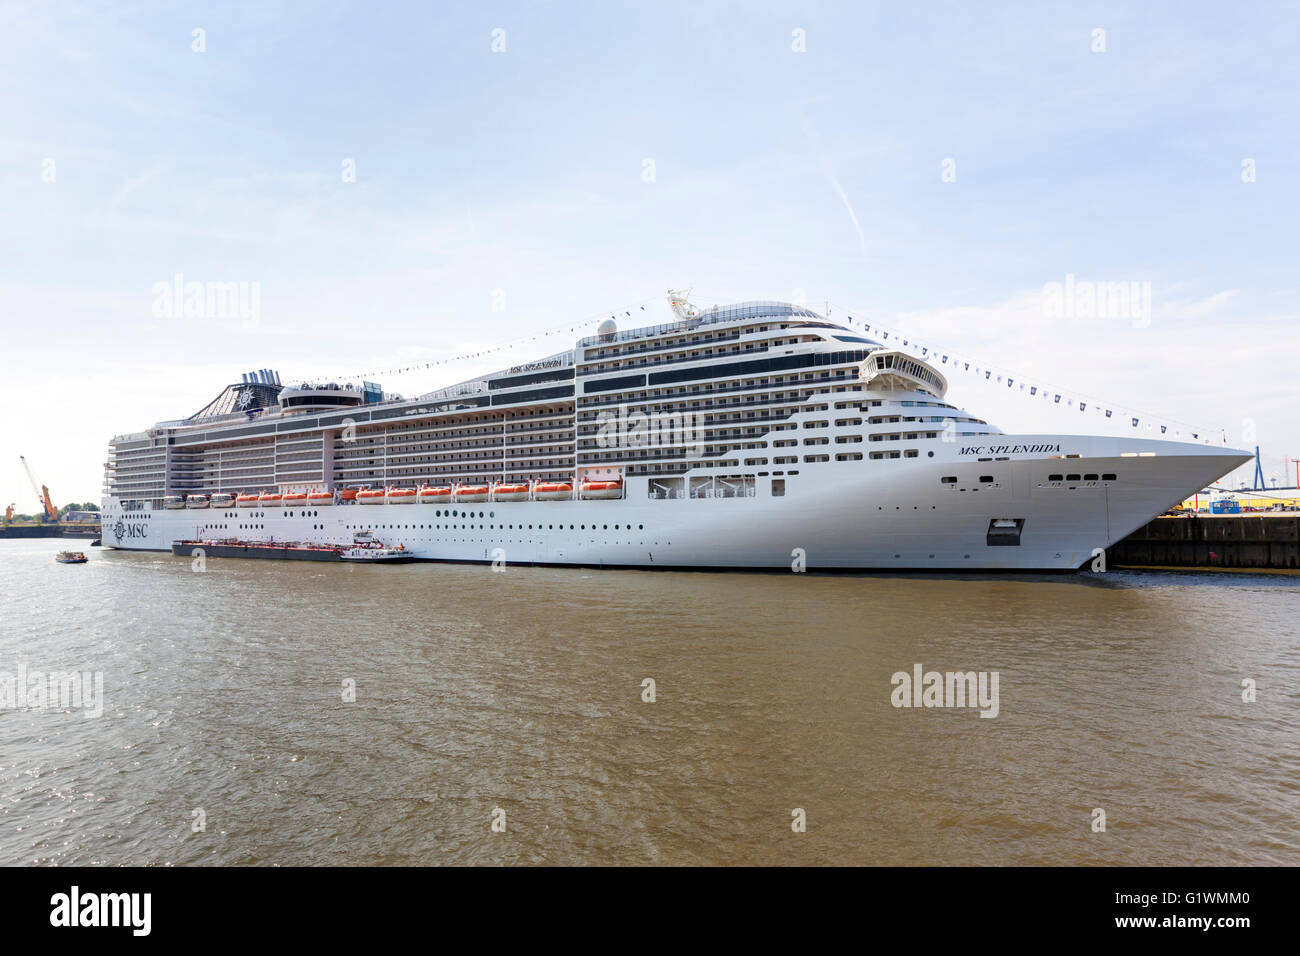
(317, 498)
(553, 491)
(401, 496)
(471, 493)
(600, 490)
(429, 495)
(509, 492)
(370, 496)
(348, 494)
(246, 501)
(269, 501)
(294, 499)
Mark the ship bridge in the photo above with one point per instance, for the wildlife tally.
(894, 370)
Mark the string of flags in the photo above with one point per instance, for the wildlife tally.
(944, 360)
(947, 361)
(573, 328)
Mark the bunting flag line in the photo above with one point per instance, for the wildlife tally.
(575, 329)
(947, 360)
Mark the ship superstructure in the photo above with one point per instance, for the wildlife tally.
(754, 435)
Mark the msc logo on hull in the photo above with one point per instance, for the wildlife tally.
(123, 531)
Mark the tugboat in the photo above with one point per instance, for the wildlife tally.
(70, 557)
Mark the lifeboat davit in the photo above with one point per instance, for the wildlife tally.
(370, 496)
(601, 489)
(504, 492)
(553, 491)
(196, 501)
(173, 502)
(429, 495)
(401, 496)
(294, 499)
(269, 501)
(317, 498)
(471, 493)
(221, 500)
(348, 494)
(246, 501)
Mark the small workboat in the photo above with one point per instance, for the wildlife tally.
(196, 501)
(173, 502)
(366, 550)
(70, 557)
(221, 500)
(375, 554)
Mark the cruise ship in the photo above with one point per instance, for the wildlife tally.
(756, 435)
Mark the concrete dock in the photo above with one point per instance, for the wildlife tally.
(1259, 542)
(87, 529)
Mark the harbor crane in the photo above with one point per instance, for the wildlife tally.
(42, 493)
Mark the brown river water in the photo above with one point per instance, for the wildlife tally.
(221, 733)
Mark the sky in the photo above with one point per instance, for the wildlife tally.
(393, 185)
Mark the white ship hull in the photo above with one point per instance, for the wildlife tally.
(871, 515)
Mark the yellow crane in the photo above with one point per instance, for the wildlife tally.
(42, 493)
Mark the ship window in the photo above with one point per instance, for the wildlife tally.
(1054, 478)
(1089, 477)
(986, 478)
(1108, 477)
(1071, 477)
(949, 480)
